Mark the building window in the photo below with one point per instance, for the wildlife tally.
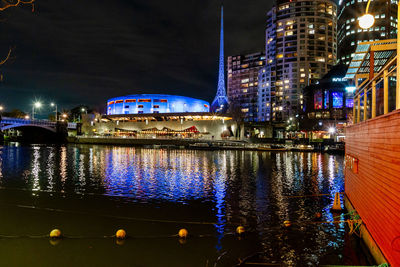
(318, 100)
(337, 99)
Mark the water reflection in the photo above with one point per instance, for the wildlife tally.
(256, 189)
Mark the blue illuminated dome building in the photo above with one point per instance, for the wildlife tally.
(155, 103)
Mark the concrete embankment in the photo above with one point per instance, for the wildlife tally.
(152, 142)
(178, 143)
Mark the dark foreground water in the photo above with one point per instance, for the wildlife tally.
(91, 191)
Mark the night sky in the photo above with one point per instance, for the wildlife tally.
(84, 52)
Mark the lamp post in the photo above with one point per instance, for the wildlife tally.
(54, 105)
(35, 105)
(83, 110)
(1, 113)
(64, 116)
(366, 21)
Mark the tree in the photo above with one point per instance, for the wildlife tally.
(237, 114)
(6, 4)
(15, 113)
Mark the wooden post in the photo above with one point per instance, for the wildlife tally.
(359, 108)
(373, 104)
(385, 92)
(355, 112)
(365, 104)
(398, 60)
(371, 65)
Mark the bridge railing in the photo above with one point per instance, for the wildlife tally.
(8, 120)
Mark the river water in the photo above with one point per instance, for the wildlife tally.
(89, 192)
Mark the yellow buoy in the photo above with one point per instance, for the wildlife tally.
(183, 233)
(287, 223)
(120, 234)
(240, 230)
(55, 233)
(336, 203)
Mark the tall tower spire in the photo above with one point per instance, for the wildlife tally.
(220, 103)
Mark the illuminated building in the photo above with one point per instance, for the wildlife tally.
(329, 102)
(300, 49)
(197, 125)
(243, 82)
(155, 103)
(159, 116)
(349, 32)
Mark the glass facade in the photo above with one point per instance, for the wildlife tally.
(154, 103)
(300, 50)
(337, 99)
(349, 32)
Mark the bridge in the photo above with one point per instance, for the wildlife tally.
(7, 123)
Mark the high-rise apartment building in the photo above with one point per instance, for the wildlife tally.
(300, 49)
(243, 82)
(350, 34)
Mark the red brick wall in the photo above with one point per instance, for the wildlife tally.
(375, 190)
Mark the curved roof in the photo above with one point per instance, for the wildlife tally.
(155, 103)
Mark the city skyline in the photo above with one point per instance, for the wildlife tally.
(102, 63)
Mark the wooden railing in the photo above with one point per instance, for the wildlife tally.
(365, 99)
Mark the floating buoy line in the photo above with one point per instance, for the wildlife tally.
(354, 224)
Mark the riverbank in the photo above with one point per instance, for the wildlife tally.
(177, 143)
(200, 144)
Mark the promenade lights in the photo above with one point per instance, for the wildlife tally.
(331, 130)
(1, 108)
(26, 117)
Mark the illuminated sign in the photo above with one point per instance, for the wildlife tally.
(336, 80)
(350, 89)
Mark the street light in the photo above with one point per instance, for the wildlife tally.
(52, 104)
(366, 21)
(37, 105)
(1, 108)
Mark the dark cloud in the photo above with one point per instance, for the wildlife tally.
(76, 52)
